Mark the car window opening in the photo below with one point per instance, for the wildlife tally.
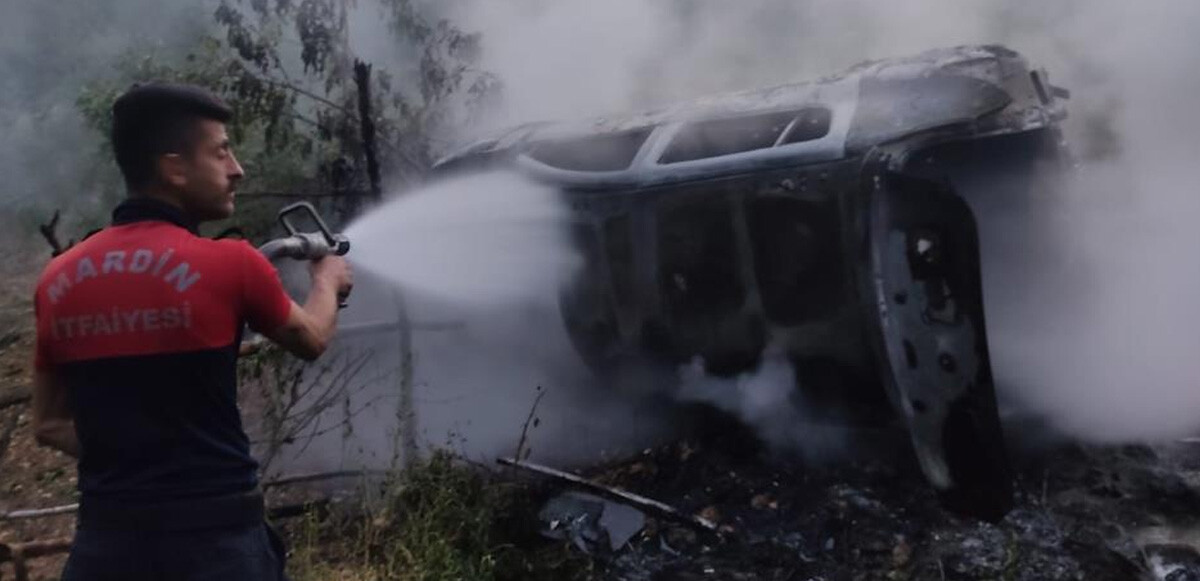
(719, 137)
(611, 152)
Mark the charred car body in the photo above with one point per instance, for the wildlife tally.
(821, 218)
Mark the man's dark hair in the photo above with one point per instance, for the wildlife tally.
(157, 118)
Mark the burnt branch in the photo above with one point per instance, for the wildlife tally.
(297, 396)
(49, 231)
(362, 80)
(22, 396)
(6, 433)
(637, 501)
(17, 553)
(320, 476)
(522, 443)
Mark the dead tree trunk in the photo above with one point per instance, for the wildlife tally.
(49, 231)
(362, 80)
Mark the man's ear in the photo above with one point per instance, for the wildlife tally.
(172, 169)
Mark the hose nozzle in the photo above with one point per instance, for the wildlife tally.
(305, 245)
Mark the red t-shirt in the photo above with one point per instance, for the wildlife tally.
(142, 322)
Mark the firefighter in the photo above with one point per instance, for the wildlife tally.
(138, 329)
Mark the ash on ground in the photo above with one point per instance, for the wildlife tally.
(1082, 513)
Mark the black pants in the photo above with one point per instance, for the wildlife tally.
(244, 553)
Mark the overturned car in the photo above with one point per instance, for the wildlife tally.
(823, 218)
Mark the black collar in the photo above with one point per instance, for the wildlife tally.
(142, 209)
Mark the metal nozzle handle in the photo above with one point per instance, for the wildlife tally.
(306, 207)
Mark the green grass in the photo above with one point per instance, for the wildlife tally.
(441, 519)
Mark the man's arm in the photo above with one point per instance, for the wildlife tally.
(309, 329)
(53, 423)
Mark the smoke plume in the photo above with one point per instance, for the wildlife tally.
(1101, 333)
(1098, 333)
(48, 52)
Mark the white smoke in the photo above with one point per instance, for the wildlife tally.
(1106, 344)
(49, 51)
(766, 399)
(1110, 348)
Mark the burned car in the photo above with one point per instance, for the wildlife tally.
(823, 218)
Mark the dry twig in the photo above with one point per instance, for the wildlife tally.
(19, 552)
(22, 396)
(283, 481)
(647, 504)
(49, 231)
(522, 449)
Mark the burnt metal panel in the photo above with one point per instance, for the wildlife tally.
(617, 238)
(698, 259)
(889, 109)
(587, 302)
(963, 93)
(797, 258)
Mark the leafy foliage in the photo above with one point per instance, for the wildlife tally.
(300, 133)
(271, 144)
(272, 137)
(447, 91)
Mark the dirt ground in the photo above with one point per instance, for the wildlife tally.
(31, 476)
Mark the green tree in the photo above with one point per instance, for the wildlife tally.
(288, 71)
(412, 114)
(279, 154)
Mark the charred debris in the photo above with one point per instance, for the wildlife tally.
(1079, 513)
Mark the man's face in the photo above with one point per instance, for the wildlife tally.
(205, 178)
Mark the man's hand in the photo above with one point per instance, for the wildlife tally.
(310, 328)
(333, 270)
